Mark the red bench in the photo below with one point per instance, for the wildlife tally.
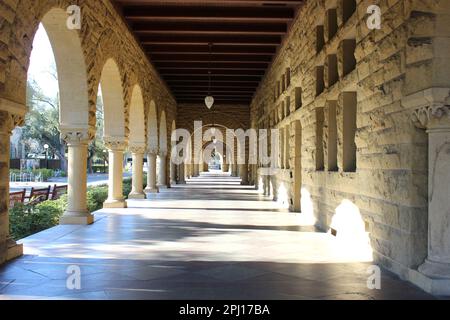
(58, 191)
(17, 197)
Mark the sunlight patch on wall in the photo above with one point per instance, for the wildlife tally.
(349, 228)
(283, 196)
(307, 217)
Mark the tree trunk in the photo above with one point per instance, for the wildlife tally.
(62, 156)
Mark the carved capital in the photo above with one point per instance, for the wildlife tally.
(76, 136)
(162, 153)
(115, 143)
(152, 151)
(137, 148)
(9, 121)
(435, 116)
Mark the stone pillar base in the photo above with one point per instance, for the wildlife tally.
(436, 286)
(81, 218)
(115, 204)
(136, 196)
(14, 250)
(435, 270)
(152, 190)
(162, 186)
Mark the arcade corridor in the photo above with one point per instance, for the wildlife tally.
(209, 239)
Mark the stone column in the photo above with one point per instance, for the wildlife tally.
(137, 189)
(9, 249)
(196, 170)
(181, 175)
(151, 174)
(173, 173)
(243, 170)
(266, 180)
(234, 170)
(162, 183)
(436, 120)
(116, 147)
(77, 142)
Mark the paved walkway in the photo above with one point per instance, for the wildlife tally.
(209, 239)
(92, 179)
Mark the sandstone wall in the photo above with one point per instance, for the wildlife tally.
(389, 184)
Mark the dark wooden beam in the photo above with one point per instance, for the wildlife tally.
(225, 72)
(218, 85)
(201, 78)
(210, 66)
(204, 49)
(186, 28)
(222, 58)
(204, 90)
(254, 40)
(213, 2)
(207, 13)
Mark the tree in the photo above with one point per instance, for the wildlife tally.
(97, 147)
(42, 122)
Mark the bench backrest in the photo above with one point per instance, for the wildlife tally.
(39, 195)
(16, 197)
(58, 191)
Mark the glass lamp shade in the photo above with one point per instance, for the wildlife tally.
(209, 101)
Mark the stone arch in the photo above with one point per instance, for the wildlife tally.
(113, 101)
(163, 132)
(152, 127)
(71, 68)
(137, 117)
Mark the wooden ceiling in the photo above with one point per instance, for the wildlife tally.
(231, 42)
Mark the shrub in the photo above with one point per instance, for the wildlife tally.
(96, 196)
(27, 219)
(126, 187)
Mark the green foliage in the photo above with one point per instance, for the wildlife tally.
(96, 196)
(26, 220)
(126, 187)
(45, 173)
(99, 168)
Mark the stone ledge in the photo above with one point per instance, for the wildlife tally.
(439, 287)
(14, 251)
(111, 204)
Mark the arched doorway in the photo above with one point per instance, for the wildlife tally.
(137, 142)
(162, 156)
(152, 148)
(114, 131)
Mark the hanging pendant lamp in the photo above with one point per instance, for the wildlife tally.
(209, 99)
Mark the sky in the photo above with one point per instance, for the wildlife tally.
(41, 61)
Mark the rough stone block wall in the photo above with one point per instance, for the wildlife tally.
(389, 185)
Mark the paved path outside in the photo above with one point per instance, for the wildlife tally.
(209, 239)
(93, 180)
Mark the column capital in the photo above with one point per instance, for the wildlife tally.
(152, 151)
(9, 121)
(137, 148)
(432, 117)
(115, 143)
(77, 136)
(162, 153)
